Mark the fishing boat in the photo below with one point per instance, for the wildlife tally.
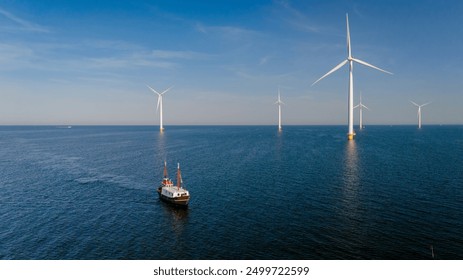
(168, 192)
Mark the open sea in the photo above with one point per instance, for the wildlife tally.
(88, 192)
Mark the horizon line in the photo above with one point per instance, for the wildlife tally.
(174, 125)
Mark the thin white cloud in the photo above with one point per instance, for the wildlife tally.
(249, 74)
(11, 52)
(200, 28)
(168, 54)
(14, 56)
(137, 60)
(24, 25)
(264, 60)
(295, 18)
(117, 45)
(226, 31)
(232, 30)
(99, 55)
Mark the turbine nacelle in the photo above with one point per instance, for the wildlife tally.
(279, 102)
(159, 95)
(419, 106)
(361, 105)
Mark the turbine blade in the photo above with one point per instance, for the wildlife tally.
(331, 71)
(356, 106)
(152, 89)
(166, 90)
(414, 104)
(159, 102)
(426, 104)
(349, 52)
(366, 107)
(369, 65)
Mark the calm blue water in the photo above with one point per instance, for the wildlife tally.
(307, 193)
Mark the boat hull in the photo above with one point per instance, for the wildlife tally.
(180, 201)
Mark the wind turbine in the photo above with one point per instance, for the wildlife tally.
(279, 103)
(159, 107)
(360, 106)
(350, 60)
(419, 111)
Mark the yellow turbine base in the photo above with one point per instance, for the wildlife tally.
(350, 136)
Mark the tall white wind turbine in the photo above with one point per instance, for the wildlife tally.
(419, 111)
(279, 103)
(350, 60)
(159, 106)
(360, 106)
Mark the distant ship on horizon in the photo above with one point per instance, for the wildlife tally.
(177, 195)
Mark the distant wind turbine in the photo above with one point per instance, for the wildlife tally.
(159, 107)
(419, 111)
(350, 60)
(360, 106)
(279, 103)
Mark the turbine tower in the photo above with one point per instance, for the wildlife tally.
(350, 60)
(419, 111)
(279, 103)
(159, 107)
(360, 106)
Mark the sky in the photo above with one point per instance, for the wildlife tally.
(88, 62)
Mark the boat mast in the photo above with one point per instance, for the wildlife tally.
(165, 170)
(179, 177)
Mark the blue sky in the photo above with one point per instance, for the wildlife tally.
(87, 62)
